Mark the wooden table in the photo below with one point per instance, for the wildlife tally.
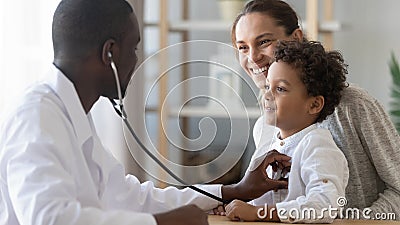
(222, 220)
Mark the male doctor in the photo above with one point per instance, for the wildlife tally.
(53, 167)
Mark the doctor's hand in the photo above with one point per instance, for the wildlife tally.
(184, 215)
(256, 183)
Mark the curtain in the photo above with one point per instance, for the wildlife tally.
(25, 45)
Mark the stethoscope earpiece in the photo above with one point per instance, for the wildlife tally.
(115, 71)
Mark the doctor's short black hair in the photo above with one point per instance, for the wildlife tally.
(322, 72)
(81, 26)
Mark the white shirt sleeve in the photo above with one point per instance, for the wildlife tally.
(156, 200)
(40, 184)
(48, 179)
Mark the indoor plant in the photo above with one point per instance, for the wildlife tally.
(395, 92)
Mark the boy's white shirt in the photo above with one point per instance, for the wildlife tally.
(318, 176)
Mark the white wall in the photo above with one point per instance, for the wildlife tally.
(371, 31)
(25, 45)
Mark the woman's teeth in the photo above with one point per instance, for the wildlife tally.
(260, 70)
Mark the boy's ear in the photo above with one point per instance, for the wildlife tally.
(316, 104)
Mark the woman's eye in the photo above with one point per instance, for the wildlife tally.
(266, 41)
(280, 89)
(241, 48)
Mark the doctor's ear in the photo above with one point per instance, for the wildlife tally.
(110, 49)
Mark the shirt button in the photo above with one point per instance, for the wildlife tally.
(282, 143)
(325, 181)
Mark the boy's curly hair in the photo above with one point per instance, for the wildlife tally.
(323, 73)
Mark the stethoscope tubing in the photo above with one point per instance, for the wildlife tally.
(121, 112)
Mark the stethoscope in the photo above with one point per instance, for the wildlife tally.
(119, 109)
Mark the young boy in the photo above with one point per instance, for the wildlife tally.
(303, 87)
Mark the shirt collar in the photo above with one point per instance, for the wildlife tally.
(66, 91)
(294, 139)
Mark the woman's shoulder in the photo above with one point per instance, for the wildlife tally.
(358, 100)
(353, 94)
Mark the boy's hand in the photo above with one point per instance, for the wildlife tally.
(220, 210)
(241, 211)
